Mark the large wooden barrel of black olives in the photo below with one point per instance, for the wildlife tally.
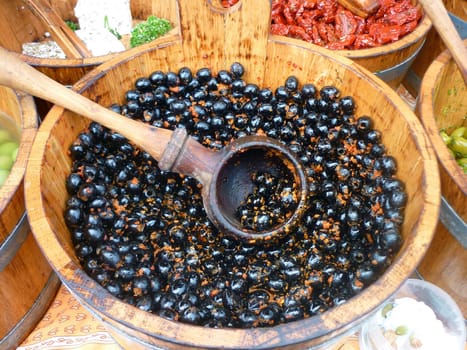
(22, 23)
(28, 283)
(214, 38)
(441, 107)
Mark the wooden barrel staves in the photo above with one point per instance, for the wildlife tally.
(215, 38)
(442, 105)
(27, 282)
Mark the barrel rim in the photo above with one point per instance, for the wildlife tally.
(425, 107)
(418, 34)
(410, 39)
(415, 36)
(28, 125)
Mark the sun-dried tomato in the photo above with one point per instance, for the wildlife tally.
(364, 41)
(228, 3)
(299, 32)
(328, 24)
(384, 34)
(400, 18)
(345, 23)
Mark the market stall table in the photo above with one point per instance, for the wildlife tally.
(68, 325)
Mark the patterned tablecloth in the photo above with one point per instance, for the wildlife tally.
(67, 325)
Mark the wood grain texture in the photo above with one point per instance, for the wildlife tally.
(206, 40)
(20, 108)
(71, 44)
(439, 16)
(26, 273)
(362, 8)
(442, 105)
(433, 45)
(18, 25)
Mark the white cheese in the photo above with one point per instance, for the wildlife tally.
(100, 42)
(410, 324)
(91, 15)
(96, 18)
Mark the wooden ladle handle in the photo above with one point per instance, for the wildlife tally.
(196, 161)
(448, 33)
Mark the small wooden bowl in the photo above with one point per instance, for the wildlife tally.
(28, 283)
(442, 105)
(389, 62)
(214, 37)
(19, 24)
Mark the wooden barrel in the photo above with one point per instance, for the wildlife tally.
(434, 45)
(27, 282)
(391, 62)
(20, 24)
(442, 105)
(214, 37)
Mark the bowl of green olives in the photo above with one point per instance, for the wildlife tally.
(133, 243)
(21, 260)
(441, 108)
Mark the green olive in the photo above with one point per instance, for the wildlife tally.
(14, 154)
(459, 132)
(459, 145)
(462, 163)
(446, 138)
(4, 136)
(7, 148)
(3, 176)
(6, 162)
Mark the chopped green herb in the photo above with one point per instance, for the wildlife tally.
(112, 30)
(149, 30)
(72, 25)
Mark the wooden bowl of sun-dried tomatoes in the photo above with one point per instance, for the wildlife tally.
(386, 42)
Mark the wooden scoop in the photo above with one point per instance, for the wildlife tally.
(362, 8)
(225, 174)
(436, 10)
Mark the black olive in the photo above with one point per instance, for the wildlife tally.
(158, 78)
(265, 95)
(237, 69)
(143, 84)
(347, 104)
(291, 84)
(185, 75)
(329, 93)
